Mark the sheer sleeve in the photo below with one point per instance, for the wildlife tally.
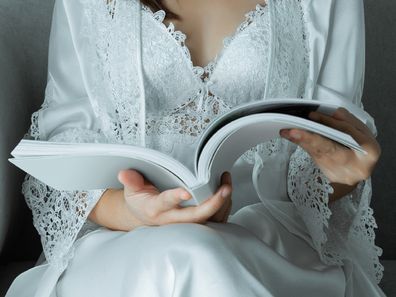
(343, 230)
(65, 115)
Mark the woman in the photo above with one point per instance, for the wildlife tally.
(120, 72)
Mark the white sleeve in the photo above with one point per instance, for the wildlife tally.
(65, 115)
(343, 230)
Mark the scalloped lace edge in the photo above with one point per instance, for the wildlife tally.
(203, 72)
(341, 227)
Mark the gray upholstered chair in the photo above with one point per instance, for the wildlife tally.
(24, 32)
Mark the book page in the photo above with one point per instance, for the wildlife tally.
(88, 166)
(291, 106)
(230, 142)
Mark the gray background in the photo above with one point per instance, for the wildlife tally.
(380, 100)
(24, 32)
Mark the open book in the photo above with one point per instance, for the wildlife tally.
(88, 166)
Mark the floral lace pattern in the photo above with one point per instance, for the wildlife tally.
(102, 27)
(184, 124)
(277, 30)
(287, 31)
(362, 229)
(118, 125)
(307, 186)
(337, 229)
(191, 118)
(204, 72)
(34, 132)
(288, 78)
(59, 216)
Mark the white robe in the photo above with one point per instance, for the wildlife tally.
(284, 240)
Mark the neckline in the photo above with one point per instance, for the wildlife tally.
(204, 73)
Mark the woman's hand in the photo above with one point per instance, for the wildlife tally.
(222, 214)
(151, 207)
(339, 163)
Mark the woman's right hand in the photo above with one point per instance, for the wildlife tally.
(151, 207)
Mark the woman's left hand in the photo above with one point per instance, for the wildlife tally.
(224, 212)
(339, 163)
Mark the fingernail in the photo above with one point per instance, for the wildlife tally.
(295, 135)
(284, 133)
(225, 192)
(185, 196)
(314, 116)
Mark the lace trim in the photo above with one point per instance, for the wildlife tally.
(265, 150)
(206, 71)
(116, 119)
(362, 229)
(289, 30)
(192, 117)
(111, 5)
(185, 123)
(34, 131)
(291, 62)
(307, 51)
(308, 188)
(104, 26)
(59, 216)
(342, 230)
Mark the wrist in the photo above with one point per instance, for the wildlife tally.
(112, 212)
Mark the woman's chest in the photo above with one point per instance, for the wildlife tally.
(264, 57)
(237, 71)
(207, 23)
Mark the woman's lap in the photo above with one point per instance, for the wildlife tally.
(197, 260)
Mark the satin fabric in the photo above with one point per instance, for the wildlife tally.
(264, 250)
(240, 258)
(196, 260)
(335, 72)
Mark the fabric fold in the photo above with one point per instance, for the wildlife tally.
(94, 95)
(59, 216)
(66, 115)
(342, 230)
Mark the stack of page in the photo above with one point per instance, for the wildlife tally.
(88, 166)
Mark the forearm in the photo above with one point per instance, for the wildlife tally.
(111, 212)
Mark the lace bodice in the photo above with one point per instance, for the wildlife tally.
(208, 91)
(175, 116)
(112, 87)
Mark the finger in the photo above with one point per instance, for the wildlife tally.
(131, 179)
(148, 184)
(200, 213)
(344, 114)
(364, 138)
(228, 212)
(315, 144)
(226, 178)
(173, 197)
(342, 125)
(221, 215)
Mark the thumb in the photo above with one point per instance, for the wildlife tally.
(131, 179)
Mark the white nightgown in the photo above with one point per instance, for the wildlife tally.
(114, 65)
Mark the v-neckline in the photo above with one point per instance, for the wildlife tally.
(203, 73)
